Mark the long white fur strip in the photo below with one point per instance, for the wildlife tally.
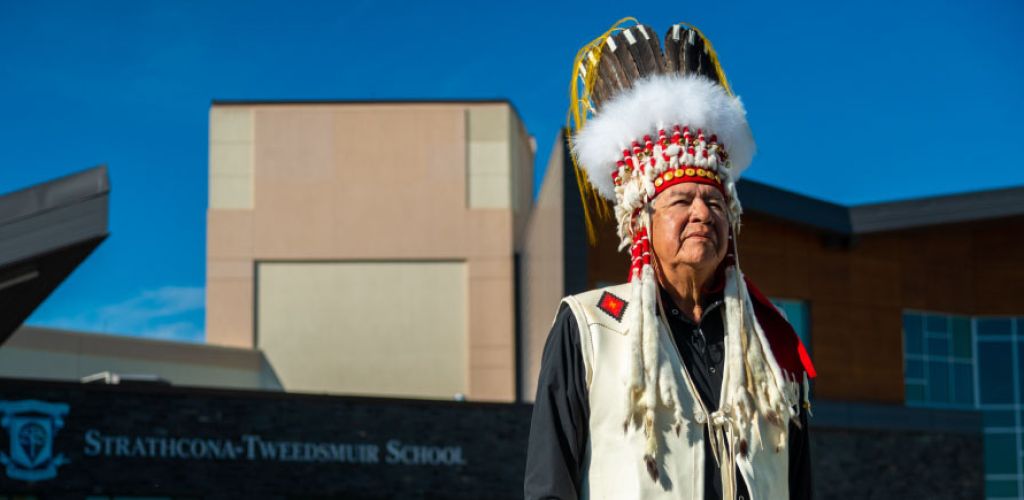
(635, 375)
(650, 341)
(662, 101)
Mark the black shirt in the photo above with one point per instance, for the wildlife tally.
(561, 413)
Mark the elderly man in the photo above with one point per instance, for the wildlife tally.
(685, 382)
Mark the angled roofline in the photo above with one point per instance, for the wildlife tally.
(935, 210)
(63, 191)
(843, 220)
(54, 214)
(46, 231)
(794, 207)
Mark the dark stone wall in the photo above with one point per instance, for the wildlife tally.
(858, 451)
(874, 464)
(492, 439)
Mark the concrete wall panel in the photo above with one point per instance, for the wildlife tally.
(370, 328)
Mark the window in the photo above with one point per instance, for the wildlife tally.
(938, 366)
(796, 312)
(973, 363)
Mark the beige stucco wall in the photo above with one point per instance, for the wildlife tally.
(543, 270)
(523, 149)
(231, 161)
(374, 181)
(43, 353)
(372, 328)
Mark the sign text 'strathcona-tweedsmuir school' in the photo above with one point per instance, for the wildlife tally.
(254, 447)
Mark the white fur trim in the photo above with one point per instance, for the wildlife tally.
(662, 100)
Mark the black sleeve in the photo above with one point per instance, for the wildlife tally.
(560, 427)
(800, 485)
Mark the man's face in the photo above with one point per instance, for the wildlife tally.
(690, 227)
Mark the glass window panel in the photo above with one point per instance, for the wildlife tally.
(915, 393)
(938, 347)
(994, 326)
(1000, 453)
(999, 418)
(995, 372)
(796, 314)
(936, 324)
(962, 337)
(1001, 488)
(915, 369)
(801, 324)
(938, 382)
(963, 384)
(1020, 371)
(913, 333)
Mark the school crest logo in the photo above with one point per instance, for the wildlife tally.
(31, 426)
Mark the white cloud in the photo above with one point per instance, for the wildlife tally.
(155, 304)
(181, 330)
(168, 313)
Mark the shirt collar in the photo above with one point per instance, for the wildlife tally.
(709, 301)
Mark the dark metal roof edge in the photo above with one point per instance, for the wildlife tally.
(879, 217)
(934, 210)
(94, 237)
(793, 207)
(56, 193)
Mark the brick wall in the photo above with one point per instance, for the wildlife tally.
(857, 288)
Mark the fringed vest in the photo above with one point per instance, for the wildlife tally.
(612, 466)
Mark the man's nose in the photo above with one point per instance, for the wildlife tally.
(699, 210)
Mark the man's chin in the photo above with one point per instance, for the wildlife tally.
(698, 257)
(699, 244)
(702, 240)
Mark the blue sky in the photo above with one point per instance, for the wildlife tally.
(852, 102)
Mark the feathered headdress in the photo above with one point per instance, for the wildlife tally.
(641, 120)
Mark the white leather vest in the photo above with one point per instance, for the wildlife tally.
(613, 467)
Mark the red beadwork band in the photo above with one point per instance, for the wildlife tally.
(692, 154)
(688, 174)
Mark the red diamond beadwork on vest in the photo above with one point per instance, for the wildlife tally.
(612, 305)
